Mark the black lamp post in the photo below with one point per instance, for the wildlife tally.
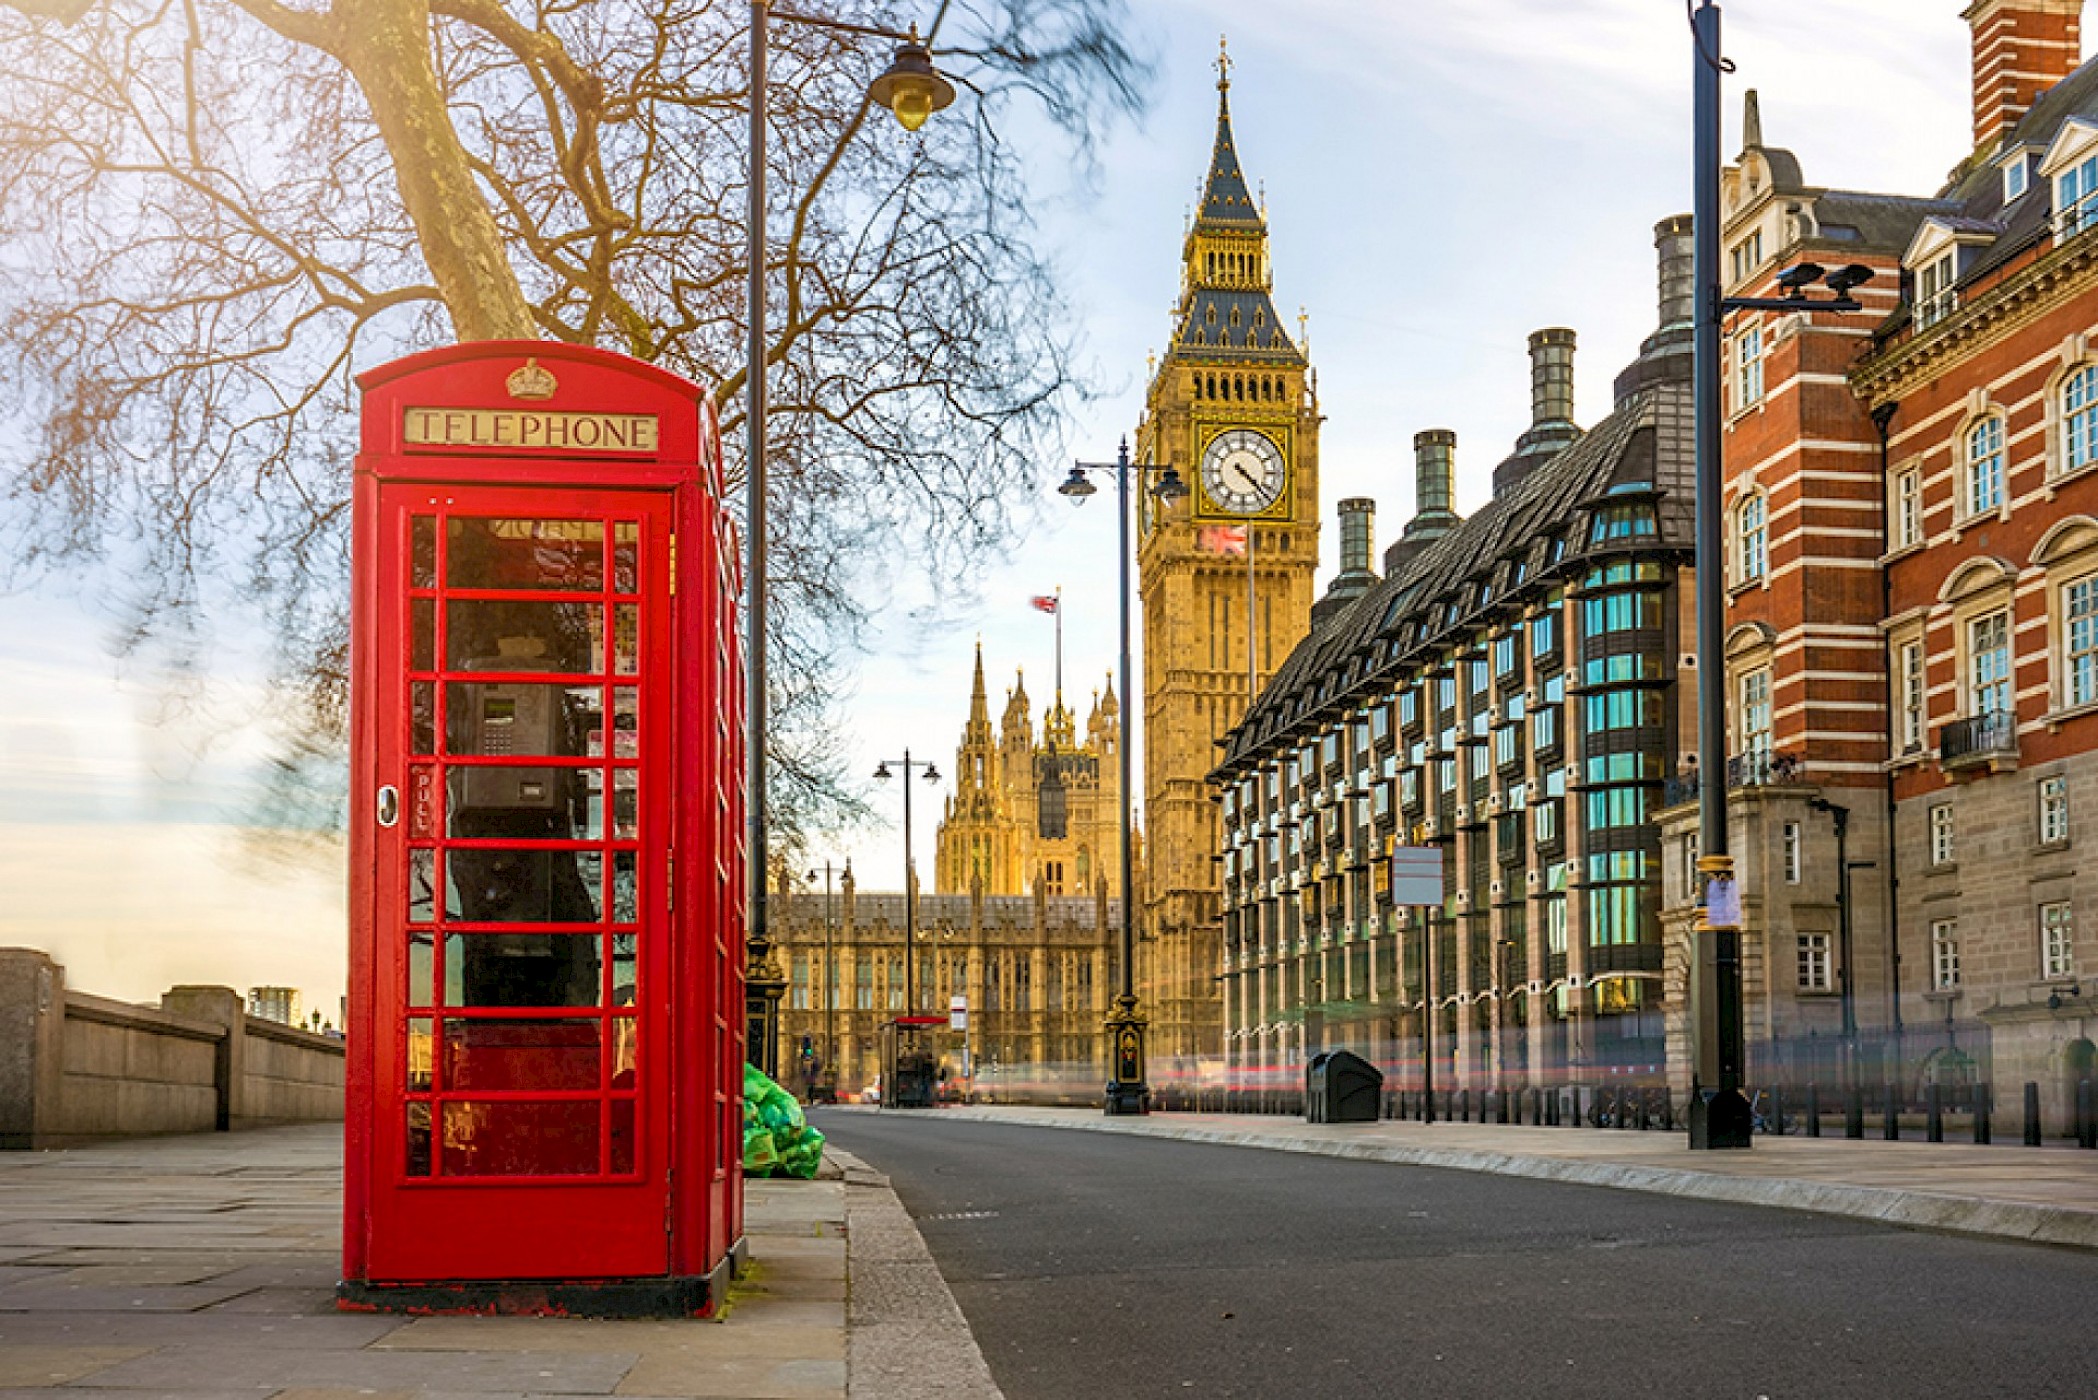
(913, 89)
(1720, 1117)
(1126, 1091)
(830, 976)
(910, 875)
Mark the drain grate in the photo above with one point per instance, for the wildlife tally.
(964, 1215)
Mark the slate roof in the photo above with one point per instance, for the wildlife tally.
(1972, 202)
(1431, 597)
(1225, 198)
(1257, 336)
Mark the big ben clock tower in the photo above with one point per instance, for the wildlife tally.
(1232, 406)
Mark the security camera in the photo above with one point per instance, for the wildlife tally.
(1796, 280)
(1844, 280)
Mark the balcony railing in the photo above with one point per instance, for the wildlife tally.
(1754, 769)
(1978, 738)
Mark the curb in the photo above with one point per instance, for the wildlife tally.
(1920, 1210)
(905, 1336)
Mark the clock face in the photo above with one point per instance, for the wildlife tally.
(1243, 471)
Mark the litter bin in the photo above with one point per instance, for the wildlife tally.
(1341, 1087)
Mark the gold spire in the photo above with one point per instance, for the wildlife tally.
(1223, 63)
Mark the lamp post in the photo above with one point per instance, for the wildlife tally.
(1126, 1092)
(1720, 1117)
(913, 89)
(830, 977)
(910, 878)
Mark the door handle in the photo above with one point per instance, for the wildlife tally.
(389, 805)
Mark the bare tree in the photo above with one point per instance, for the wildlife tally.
(213, 212)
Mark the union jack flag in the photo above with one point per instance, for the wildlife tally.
(1043, 602)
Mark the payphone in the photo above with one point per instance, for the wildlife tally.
(546, 847)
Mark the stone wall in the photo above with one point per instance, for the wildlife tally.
(77, 1068)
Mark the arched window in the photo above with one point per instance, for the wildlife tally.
(1752, 539)
(1985, 466)
(2080, 419)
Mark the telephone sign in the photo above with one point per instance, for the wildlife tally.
(546, 955)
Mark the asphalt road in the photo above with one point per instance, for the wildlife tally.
(1106, 1267)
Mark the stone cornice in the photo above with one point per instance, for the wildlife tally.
(2061, 275)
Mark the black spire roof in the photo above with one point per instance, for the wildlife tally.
(1225, 198)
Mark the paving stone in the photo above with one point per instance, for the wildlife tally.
(216, 1327)
(744, 1378)
(54, 1297)
(289, 1302)
(477, 1372)
(49, 1365)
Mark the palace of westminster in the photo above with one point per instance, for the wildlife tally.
(1911, 517)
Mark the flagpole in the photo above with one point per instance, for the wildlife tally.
(1252, 627)
(1059, 644)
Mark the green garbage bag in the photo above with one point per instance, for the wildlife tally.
(777, 1138)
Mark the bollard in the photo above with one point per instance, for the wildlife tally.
(2032, 1114)
(1981, 1115)
(1934, 1109)
(1777, 1112)
(1667, 1110)
(1813, 1109)
(1854, 1112)
(1646, 1113)
(2086, 1121)
(1551, 1109)
(1893, 1118)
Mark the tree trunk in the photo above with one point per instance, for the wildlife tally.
(386, 46)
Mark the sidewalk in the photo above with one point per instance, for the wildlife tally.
(2043, 1195)
(204, 1267)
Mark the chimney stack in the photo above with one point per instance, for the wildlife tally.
(1358, 516)
(1434, 484)
(2021, 49)
(1551, 377)
(1674, 240)
(1356, 577)
(1667, 353)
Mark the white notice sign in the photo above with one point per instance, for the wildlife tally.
(958, 1014)
(1416, 876)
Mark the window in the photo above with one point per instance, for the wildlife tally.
(2015, 180)
(1544, 635)
(1909, 667)
(1748, 256)
(2080, 419)
(1908, 508)
(1813, 962)
(2074, 207)
(1989, 664)
(2057, 940)
(1941, 833)
(1755, 712)
(1945, 954)
(2054, 810)
(1935, 297)
(1752, 539)
(1793, 854)
(1985, 467)
(798, 996)
(1623, 523)
(1748, 368)
(2080, 642)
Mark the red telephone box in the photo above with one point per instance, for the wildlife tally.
(546, 840)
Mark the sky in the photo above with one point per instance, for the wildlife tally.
(1441, 180)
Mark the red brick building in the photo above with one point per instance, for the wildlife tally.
(1912, 648)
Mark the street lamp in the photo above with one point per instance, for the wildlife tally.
(910, 879)
(913, 89)
(1126, 1091)
(830, 977)
(1720, 1117)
